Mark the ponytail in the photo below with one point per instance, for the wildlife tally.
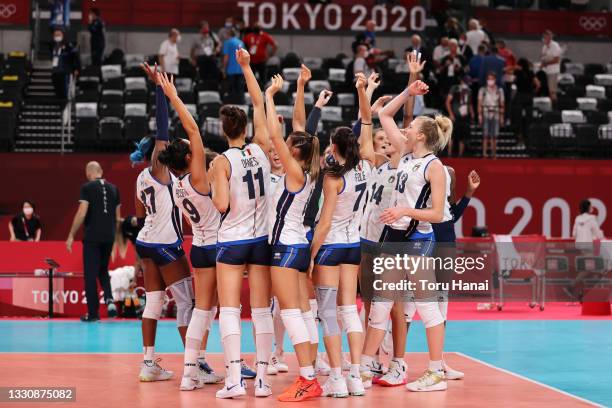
(347, 147)
(308, 146)
(437, 131)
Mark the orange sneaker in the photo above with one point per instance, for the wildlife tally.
(301, 390)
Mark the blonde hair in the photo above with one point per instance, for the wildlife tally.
(437, 131)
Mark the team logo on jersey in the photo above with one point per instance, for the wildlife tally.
(416, 167)
(246, 152)
(391, 179)
(277, 255)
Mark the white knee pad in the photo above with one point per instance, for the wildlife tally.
(349, 317)
(229, 321)
(262, 320)
(182, 292)
(275, 307)
(409, 311)
(314, 308)
(213, 314)
(311, 327)
(379, 315)
(200, 319)
(326, 299)
(430, 313)
(154, 304)
(294, 324)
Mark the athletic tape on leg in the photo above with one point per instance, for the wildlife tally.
(154, 304)
(326, 299)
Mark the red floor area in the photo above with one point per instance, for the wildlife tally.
(110, 380)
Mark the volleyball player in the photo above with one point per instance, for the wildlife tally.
(335, 249)
(191, 191)
(290, 249)
(159, 244)
(240, 177)
(417, 201)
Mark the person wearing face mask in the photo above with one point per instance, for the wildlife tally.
(65, 61)
(169, 54)
(360, 65)
(261, 46)
(490, 113)
(97, 40)
(26, 225)
(460, 110)
(204, 53)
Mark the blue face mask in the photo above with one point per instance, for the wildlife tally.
(330, 160)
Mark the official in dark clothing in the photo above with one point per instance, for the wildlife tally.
(65, 61)
(97, 40)
(99, 209)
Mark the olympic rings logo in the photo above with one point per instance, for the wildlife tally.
(7, 10)
(592, 23)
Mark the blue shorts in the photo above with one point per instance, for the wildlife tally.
(160, 254)
(291, 256)
(203, 257)
(334, 255)
(252, 252)
(416, 244)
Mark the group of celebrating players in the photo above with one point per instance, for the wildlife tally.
(303, 227)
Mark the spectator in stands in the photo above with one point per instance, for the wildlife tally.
(508, 77)
(451, 69)
(99, 209)
(464, 48)
(261, 46)
(452, 28)
(169, 56)
(231, 69)
(26, 225)
(360, 64)
(416, 44)
(440, 51)
(475, 36)
(527, 85)
(370, 33)
(224, 32)
(66, 61)
(461, 111)
(204, 53)
(97, 40)
(586, 228)
(490, 113)
(490, 40)
(551, 62)
(492, 63)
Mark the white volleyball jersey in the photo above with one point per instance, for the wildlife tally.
(247, 216)
(163, 221)
(286, 214)
(275, 182)
(447, 203)
(349, 206)
(198, 209)
(380, 190)
(412, 190)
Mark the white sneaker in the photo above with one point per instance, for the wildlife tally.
(262, 389)
(370, 373)
(271, 370)
(232, 390)
(346, 364)
(429, 381)
(335, 388)
(190, 383)
(355, 386)
(321, 365)
(152, 371)
(206, 374)
(278, 363)
(395, 376)
(451, 374)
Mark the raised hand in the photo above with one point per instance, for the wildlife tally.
(473, 181)
(415, 65)
(276, 85)
(243, 57)
(153, 74)
(167, 84)
(324, 98)
(418, 88)
(373, 81)
(380, 103)
(361, 81)
(305, 75)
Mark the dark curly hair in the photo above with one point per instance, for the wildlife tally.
(347, 146)
(233, 121)
(175, 155)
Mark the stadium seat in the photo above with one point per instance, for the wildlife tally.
(16, 63)
(587, 138)
(86, 126)
(539, 137)
(134, 60)
(318, 74)
(111, 133)
(594, 69)
(309, 98)
(313, 62)
(111, 110)
(206, 97)
(112, 96)
(8, 122)
(346, 99)
(596, 91)
(136, 96)
(604, 105)
(574, 91)
(135, 127)
(574, 68)
(210, 109)
(542, 103)
(110, 72)
(336, 75)
(91, 71)
(603, 79)
(133, 83)
(331, 63)
(282, 98)
(604, 134)
(552, 117)
(587, 104)
(88, 82)
(87, 95)
(291, 74)
(565, 102)
(562, 136)
(12, 88)
(572, 116)
(596, 117)
(135, 109)
(291, 60)
(317, 86)
(286, 111)
(134, 72)
(331, 113)
(566, 79)
(350, 113)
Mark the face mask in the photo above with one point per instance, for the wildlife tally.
(491, 82)
(28, 211)
(178, 39)
(330, 160)
(228, 25)
(205, 31)
(367, 54)
(58, 38)
(461, 43)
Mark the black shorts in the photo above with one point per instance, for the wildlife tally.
(291, 256)
(252, 252)
(334, 255)
(417, 244)
(461, 130)
(203, 257)
(160, 254)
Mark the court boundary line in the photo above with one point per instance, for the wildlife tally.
(531, 380)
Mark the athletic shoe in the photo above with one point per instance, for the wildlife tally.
(395, 376)
(262, 389)
(346, 364)
(387, 344)
(232, 390)
(89, 319)
(429, 381)
(247, 372)
(321, 366)
(278, 363)
(451, 374)
(301, 389)
(152, 371)
(190, 383)
(366, 379)
(355, 386)
(206, 374)
(371, 374)
(335, 388)
(271, 370)
(112, 310)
